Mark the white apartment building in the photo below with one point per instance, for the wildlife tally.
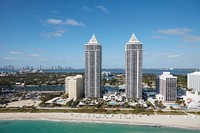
(193, 81)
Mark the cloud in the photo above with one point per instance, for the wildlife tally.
(159, 37)
(58, 59)
(173, 56)
(73, 22)
(54, 21)
(69, 22)
(10, 58)
(58, 33)
(55, 11)
(33, 55)
(40, 49)
(164, 55)
(102, 8)
(86, 8)
(175, 31)
(188, 47)
(15, 52)
(169, 55)
(43, 59)
(192, 38)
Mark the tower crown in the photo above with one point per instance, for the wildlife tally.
(93, 40)
(134, 40)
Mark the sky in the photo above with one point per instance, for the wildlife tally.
(54, 32)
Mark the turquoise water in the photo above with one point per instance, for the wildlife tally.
(23, 126)
(173, 105)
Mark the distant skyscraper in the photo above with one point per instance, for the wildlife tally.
(167, 86)
(93, 68)
(193, 81)
(133, 72)
(74, 86)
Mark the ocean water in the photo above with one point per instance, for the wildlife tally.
(154, 71)
(40, 126)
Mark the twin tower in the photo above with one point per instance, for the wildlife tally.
(133, 71)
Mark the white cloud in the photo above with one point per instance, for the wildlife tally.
(175, 31)
(84, 7)
(73, 22)
(33, 55)
(192, 38)
(55, 11)
(54, 21)
(57, 59)
(39, 49)
(173, 56)
(102, 8)
(159, 37)
(10, 58)
(188, 46)
(43, 59)
(58, 33)
(169, 55)
(15, 52)
(69, 22)
(164, 55)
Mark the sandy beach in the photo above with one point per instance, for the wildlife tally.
(179, 121)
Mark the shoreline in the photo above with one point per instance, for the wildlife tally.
(174, 121)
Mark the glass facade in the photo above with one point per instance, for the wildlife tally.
(93, 57)
(133, 72)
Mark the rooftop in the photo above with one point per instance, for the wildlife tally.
(195, 73)
(134, 40)
(93, 41)
(166, 75)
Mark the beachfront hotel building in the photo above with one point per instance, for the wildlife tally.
(74, 85)
(93, 68)
(133, 71)
(166, 85)
(193, 81)
(66, 86)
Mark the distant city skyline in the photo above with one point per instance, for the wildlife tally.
(51, 33)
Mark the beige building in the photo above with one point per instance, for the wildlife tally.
(74, 86)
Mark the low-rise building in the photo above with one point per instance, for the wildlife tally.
(113, 96)
(160, 97)
(192, 99)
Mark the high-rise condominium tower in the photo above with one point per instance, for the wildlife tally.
(166, 85)
(93, 68)
(133, 71)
